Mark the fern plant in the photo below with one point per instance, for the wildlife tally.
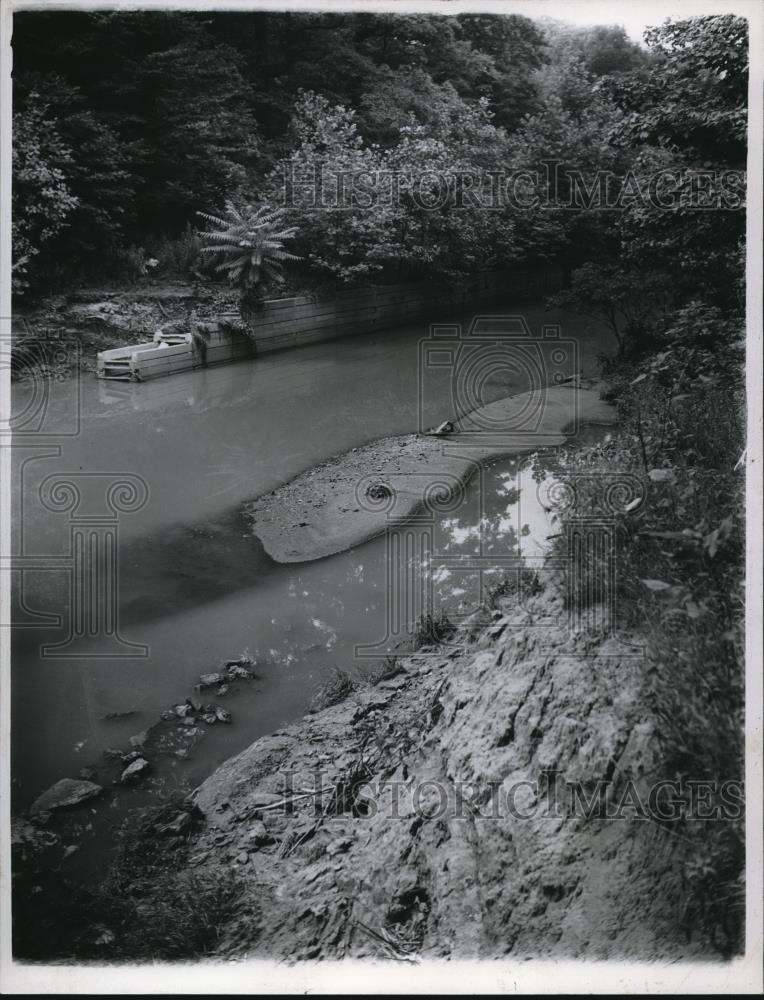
(251, 243)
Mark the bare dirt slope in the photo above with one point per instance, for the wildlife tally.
(387, 862)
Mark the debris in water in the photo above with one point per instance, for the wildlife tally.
(66, 792)
(120, 715)
(134, 770)
(210, 680)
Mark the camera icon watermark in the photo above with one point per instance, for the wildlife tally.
(508, 394)
(499, 378)
(36, 361)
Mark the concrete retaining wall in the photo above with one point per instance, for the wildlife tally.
(291, 322)
(284, 323)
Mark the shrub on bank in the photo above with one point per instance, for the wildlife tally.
(679, 576)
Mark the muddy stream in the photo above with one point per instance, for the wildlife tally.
(195, 587)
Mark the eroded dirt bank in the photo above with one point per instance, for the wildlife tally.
(435, 832)
(61, 335)
(488, 797)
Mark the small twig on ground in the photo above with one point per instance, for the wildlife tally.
(387, 942)
(284, 802)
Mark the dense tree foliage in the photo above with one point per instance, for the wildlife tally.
(160, 114)
(128, 124)
(42, 197)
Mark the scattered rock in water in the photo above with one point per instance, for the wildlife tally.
(64, 794)
(184, 710)
(134, 770)
(222, 690)
(243, 661)
(223, 715)
(188, 721)
(168, 715)
(210, 718)
(210, 680)
(194, 703)
(182, 752)
(112, 754)
(120, 715)
(139, 739)
(239, 673)
(128, 758)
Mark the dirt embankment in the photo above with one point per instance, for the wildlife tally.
(446, 824)
(489, 796)
(64, 333)
(355, 496)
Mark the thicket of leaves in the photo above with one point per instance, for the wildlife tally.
(680, 584)
(42, 197)
(682, 119)
(143, 118)
(672, 288)
(127, 124)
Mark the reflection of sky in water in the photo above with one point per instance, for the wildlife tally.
(499, 526)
